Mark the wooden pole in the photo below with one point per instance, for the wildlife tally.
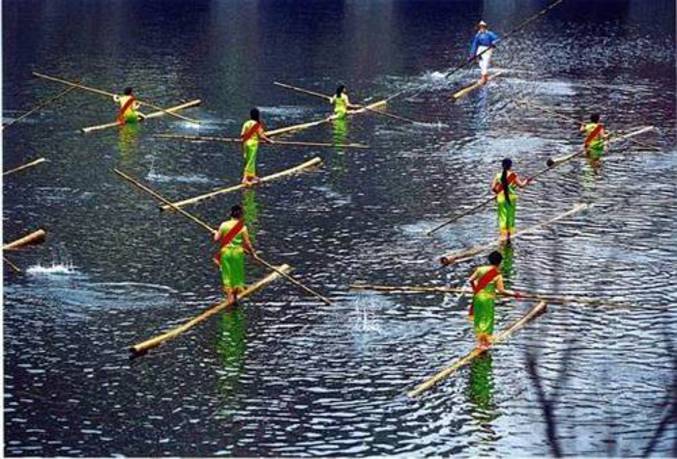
(317, 161)
(462, 214)
(110, 94)
(201, 138)
(144, 346)
(14, 267)
(501, 337)
(540, 296)
(31, 238)
(41, 105)
(463, 255)
(100, 127)
(24, 166)
(213, 231)
(470, 88)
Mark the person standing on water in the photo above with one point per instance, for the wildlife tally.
(504, 186)
(234, 241)
(486, 281)
(128, 107)
(252, 131)
(595, 137)
(482, 45)
(341, 102)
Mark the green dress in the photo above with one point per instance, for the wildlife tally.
(340, 105)
(506, 211)
(232, 257)
(251, 147)
(483, 304)
(595, 147)
(130, 115)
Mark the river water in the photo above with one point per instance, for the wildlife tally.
(286, 375)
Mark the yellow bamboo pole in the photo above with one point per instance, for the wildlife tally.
(25, 166)
(31, 238)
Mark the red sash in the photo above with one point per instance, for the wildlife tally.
(123, 109)
(227, 239)
(512, 178)
(249, 133)
(485, 280)
(593, 135)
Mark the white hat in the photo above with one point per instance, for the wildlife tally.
(482, 24)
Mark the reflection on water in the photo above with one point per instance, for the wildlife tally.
(128, 139)
(231, 347)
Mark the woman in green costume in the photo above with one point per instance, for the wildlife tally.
(128, 107)
(252, 131)
(507, 202)
(486, 281)
(595, 137)
(341, 102)
(234, 239)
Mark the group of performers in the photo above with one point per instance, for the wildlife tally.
(486, 280)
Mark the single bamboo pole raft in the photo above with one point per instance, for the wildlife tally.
(298, 127)
(504, 335)
(538, 296)
(467, 254)
(317, 161)
(32, 238)
(470, 88)
(144, 346)
(25, 166)
(110, 94)
(157, 114)
(203, 138)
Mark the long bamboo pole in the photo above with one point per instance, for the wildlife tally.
(100, 127)
(455, 257)
(501, 337)
(14, 267)
(540, 296)
(110, 94)
(24, 166)
(202, 138)
(41, 105)
(315, 162)
(213, 231)
(31, 238)
(144, 346)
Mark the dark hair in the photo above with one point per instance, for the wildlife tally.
(236, 211)
(340, 90)
(128, 91)
(495, 258)
(255, 114)
(507, 164)
(594, 117)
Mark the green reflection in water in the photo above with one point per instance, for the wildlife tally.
(251, 213)
(337, 163)
(231, 347)
(480, 392)
(508, 265)
(128, 138)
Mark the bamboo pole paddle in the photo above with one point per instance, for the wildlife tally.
(24, 166)
(110, 94)
(14, 267)
(39, 106)
(461, 215)
(504, 335)
(31, 238)
(201, 138)
(328, 98)
(541, 296)
(213, 231)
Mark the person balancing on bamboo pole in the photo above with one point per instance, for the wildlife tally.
(595, 137)
(233, 239)
(486, 281)
(252, 131)
(129, 106)
(504, 186)
(482, 48)
(341, 102)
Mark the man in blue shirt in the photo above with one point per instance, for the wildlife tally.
(483, 43)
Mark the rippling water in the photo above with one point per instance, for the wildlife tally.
(286, 375)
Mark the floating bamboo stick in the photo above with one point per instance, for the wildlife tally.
(157, 114)
(32, 238)
(173, 333)
(39, 106)
(14, 267)
(463, 255)
(25, 166)
(540, 296)
(470, 88)
(504, 335)
(202, 138)
(317, 161)
(110, 94)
